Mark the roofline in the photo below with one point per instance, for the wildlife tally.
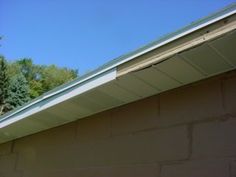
(46, 102)
(226, 12)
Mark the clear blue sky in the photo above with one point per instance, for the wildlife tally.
(84, 34)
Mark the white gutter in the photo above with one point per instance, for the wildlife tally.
(46, 102)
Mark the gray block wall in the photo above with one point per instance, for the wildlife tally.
(186, 132)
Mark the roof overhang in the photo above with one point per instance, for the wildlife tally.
(200, 51)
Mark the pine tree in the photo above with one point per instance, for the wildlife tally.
(22, 80)
(4, 84)
(18, 92)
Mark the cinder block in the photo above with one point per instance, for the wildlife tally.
(27, 158)
(146, 147)
(5, 148)
(54, 137)
(233, 168)
(149, 170)
(207, 168)
(134, 171)
(7, 163)
(191, 103)
(11, 174)
(229, 92)
(94, 128)
(135, 116)
(214, 139)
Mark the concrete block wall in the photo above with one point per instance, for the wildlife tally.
(186, 132)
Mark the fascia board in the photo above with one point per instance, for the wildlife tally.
(59, 97)
(111, 66)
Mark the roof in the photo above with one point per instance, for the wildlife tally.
(203, 49)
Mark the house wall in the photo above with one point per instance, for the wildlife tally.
(186, 132)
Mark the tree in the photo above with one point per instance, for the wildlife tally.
(52, 76)
(27, 68)
(18, 92)
(4, 84)
(23, 80)
(14, 90)
(42, 78)
(32, 74)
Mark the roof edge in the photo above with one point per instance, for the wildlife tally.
(112, 65)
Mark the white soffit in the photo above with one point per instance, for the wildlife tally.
(103, 90)
(54, 111)
(189, 66)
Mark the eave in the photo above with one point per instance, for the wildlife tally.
(199, 51)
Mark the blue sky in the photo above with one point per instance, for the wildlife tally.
(84, 34)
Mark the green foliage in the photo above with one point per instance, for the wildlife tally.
(14, 89)
(53, 76)
(43, 78)
(18, 92)
(4, 84)
(36, 88)
(22, 80)
(32, 74)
